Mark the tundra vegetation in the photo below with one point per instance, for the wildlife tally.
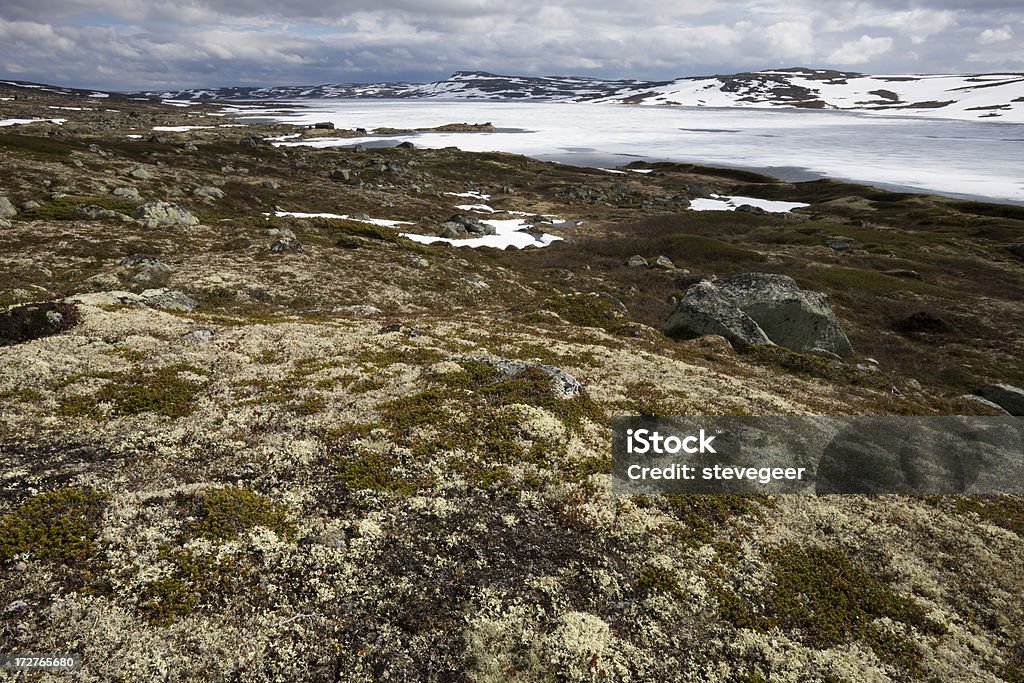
(260, 448)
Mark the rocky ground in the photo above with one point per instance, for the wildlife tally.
(245, 447)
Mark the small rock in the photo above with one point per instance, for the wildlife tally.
(323, 125)
(750, 208)
(91, 212)
(167, 299)
(285, 233)
(158, 214)
(29, 205)
(637, 261)
(451, 230)
(7, 209)
(419, 262)
(664, 262)
(360, 217)
(1009, 398)
(126, 192)
(286, 245)
(189, 147)
(839, 243)
(252, 141)
(341, 174)
(157, 140)
(914, 385)
(15, 606)
(272, 185)
(562, 382)
(207, 191)
(406, 145)
(145, 270)
(140, 173)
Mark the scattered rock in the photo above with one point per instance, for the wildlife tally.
(91, 212)
(159, 214)
(451, 231)
(285, 233)
(163, 298)
(29, 205)
(406, 145)
(323, 125)
(15, 606)
(839, 243)
(562, 383)
(252, 141)
(7, 209)
(703, 310)
(207, 191)
(664, 262)
(189, 147)
(140, 173)
(1009, 398)
(272, 185)
(750, 208)
(157, 140)
(341, 174)
(461, 225)
(419, 262)
(145, 270)
(33, 321)
(637, 261)
(791, 317)
(286, 245)
(126, 192)
(699, 191)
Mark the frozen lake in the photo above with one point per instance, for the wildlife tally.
(958, 158)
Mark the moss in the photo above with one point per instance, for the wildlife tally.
(658, 580)
(160, 391)
(811, 365)
(80, 406)
(37, 146)
(1004, 511)
(373, 471)
(824, 597)
(224, 513)
(703, 514)
(22, 396)
(409, 355)
(61, 526)
(62, 207)
(194, 579)
(588, 310)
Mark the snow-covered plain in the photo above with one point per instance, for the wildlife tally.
(962, 158)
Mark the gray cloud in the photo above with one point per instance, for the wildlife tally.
(139, 44)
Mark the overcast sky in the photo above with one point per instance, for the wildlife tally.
(138, 44)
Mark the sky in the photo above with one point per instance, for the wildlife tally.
(154, 44)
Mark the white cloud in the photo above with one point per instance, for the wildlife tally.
(995, 35)
(861, 51)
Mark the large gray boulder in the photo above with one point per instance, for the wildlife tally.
(1010, 399)
(703, 310)
(161, 214)
(791, 317)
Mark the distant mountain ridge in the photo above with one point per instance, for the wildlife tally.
(985, 96)
(992, 96)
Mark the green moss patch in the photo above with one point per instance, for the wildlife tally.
(194, 579)
(60, 526)
(224, 513)
(827, 599)
(1004, 511)
(61, 208)
(161, 391)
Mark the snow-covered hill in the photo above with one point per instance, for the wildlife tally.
(992, 96)
(995, 96)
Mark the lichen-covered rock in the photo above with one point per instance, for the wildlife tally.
(704, 310)
(1009, 398)
(161, 214)
(144, 270)
(163, 298)
(7, 209)
(636, 261)
(562, 382)
(208, 191)
(284, 245)
(91, 212)
(32, 321)
(791, 317)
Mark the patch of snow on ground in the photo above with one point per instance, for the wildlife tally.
(480, 208)
(723, 203)
(612, 170)
(510, 232)
(16, 122)
(469, 195)
(376, 221)
(640, 170)
(177, 129)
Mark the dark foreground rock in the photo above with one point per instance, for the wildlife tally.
(32, 321)
(1010, 399)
